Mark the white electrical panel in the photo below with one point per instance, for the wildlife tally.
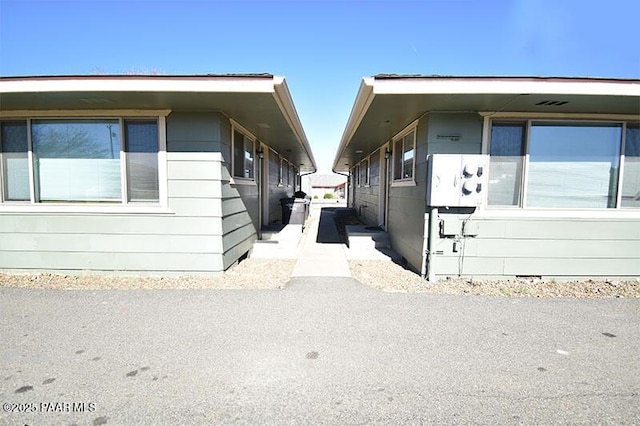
(457, 180)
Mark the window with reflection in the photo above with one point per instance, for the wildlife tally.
(14, 148)
(573, 165)
(631, 175)
(403, 156)
(505, 169)
(242, 155)
(77, 160)
(141, 143)
(564, 164)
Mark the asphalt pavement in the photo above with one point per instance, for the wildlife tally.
(324, 350)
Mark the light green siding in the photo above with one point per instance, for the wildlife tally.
(407, 205)
(558, 247)
(185, 238)
(522, 243)
(239, 204)
(468, 127)
(367, 198)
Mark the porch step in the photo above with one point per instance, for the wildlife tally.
(280, 244)
(365, 237)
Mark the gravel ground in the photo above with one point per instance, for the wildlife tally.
(275, 273)
(393, 277)
(248, 274)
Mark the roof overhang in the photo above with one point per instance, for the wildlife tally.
(386, 104)
(261, 103)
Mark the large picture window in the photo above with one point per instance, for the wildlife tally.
(110, 160)
(573, 165)
(403, 156)
(77, 160)
(563, 164)
(242, 155)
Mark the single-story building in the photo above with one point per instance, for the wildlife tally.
(485, 176)
(323, 184)
(168, 174)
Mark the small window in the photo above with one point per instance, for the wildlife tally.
(14, 149)
(242, 155)
(403, 156)
(364, 172)
(288, 172)
(141, 143)
(356, 175)
(631, 174)
(280, 172)
(505, 169)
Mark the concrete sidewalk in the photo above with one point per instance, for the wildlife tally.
(323, 251)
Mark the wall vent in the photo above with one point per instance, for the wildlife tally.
(552, 103)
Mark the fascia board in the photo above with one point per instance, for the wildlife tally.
(207, 85)
(364, 98)
(416, 86)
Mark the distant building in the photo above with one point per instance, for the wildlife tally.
(333, 184)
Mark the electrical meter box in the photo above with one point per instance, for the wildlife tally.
(457, 180)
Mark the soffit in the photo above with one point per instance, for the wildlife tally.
(257, 111)
(388, 114)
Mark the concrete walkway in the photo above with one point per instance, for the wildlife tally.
(322, 253)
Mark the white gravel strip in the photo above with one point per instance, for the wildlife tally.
(275, 273)
(388, 276)
(248, 274)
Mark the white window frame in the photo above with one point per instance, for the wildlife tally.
(27, 124)
(241, 180)
(356, 174)
(528, 119)
(122, 206)
(295, 178)
(286, 173)
(279, 177)
(364, 170)
(413, 127)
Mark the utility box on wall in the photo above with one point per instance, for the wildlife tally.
(457, 180)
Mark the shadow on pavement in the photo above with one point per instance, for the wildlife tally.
(331, 227)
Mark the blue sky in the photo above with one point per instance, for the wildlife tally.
(323, 48)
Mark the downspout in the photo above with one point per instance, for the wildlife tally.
(260, 153)
(428, 270)
(305, 174)
(347, 189)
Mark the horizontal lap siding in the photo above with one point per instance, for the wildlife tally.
(551, 247)
(406, 229)
(186, 239)
(181, 263)
(407, 206)
(545, 247)
(367, 199)
(239, 205)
